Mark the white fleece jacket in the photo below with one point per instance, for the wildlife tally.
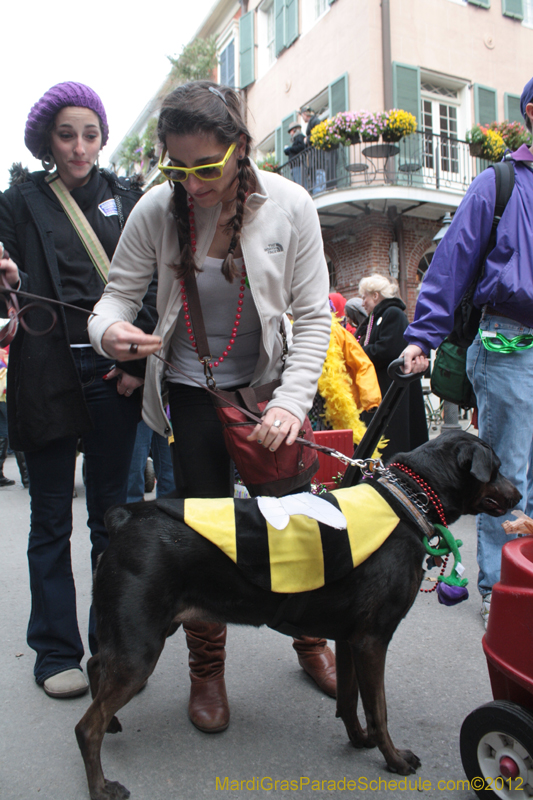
(284, 256)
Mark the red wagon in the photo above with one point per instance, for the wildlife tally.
(497, 738)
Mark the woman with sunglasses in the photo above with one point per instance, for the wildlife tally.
(57, 393)
(253, 241)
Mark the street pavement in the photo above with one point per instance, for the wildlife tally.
(282, 727)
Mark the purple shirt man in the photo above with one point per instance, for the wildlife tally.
(502, 381)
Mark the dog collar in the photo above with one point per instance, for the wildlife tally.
(410, 502)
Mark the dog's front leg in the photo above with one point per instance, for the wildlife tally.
(369, 654)
(348, 695)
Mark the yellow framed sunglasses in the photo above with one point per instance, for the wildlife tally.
(205, 172)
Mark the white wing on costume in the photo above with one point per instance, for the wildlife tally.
(277, 511)
(273, 511)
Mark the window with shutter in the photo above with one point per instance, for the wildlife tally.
(406, 88)
(485, 107)
(280, 22)
(285, 136)
(292, 21)
(246, 49)
(513, 8)
(511, 103)
(338, 95)
(227, 65)
(280, 155)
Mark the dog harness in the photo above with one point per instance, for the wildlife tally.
(305, 555)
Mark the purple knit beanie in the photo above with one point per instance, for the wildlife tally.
(52, 101)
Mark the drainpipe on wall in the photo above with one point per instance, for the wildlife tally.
(386, 54)
(244, 92)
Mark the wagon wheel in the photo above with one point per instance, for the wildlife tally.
(497, 751)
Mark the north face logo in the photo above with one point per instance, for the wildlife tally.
(275, 247)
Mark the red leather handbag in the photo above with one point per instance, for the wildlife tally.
(262, 472)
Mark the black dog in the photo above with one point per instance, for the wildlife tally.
(158, 572)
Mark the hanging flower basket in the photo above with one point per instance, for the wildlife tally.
(391, 136)
(324, 136)
(397, 123)
(485, 143)
(346, 125)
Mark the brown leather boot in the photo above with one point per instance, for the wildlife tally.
(208, 704)
(316, 658)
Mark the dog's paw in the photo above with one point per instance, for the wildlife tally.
(406, 763)
(113, 791)
(114, 726)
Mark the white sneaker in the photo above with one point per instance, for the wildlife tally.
(70, 683)
(485, 608)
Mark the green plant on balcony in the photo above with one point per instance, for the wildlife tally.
(513, 133)
(149, 140)
(485, 143)
(268, 163)
(130, 154)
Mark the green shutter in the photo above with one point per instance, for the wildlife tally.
(338, 95)
(406, 88)
(292, 21)
(482, 3)
(246, 49)
(280, 32)
(511, 104)
(513, 8)
(285, 137)
(485, 107)
(280, 155)
(330, 2)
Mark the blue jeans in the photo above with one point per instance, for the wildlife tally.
(147, 440)
(53, 627)
(503, 384)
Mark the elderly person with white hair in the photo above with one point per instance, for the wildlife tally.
(382, 339)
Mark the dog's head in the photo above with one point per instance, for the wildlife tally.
(465, 473)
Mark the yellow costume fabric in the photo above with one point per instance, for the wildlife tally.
(306, 554)
(348, 382)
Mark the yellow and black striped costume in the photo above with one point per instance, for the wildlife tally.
(306, 554)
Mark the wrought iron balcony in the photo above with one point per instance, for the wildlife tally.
(423, 160)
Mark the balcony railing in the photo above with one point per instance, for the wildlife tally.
(423, 160)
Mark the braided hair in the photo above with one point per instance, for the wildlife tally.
(204, 107)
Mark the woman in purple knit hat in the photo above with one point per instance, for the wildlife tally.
(59, 389)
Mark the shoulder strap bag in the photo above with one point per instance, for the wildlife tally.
(262, 472)
(449, 380)
(81, 225)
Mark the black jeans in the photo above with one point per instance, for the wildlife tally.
(202, 466)
(53, 627)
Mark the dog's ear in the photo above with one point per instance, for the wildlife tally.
(478, 458)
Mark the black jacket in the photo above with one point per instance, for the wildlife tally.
(44, 395)
(296, 146)
(407, 428)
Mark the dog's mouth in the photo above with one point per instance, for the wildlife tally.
(490, 506)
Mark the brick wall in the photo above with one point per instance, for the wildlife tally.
(360, 247)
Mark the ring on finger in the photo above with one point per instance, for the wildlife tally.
(134, 347)
(276, 423)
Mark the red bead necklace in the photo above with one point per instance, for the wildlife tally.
(434, 498)
(186, 311)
